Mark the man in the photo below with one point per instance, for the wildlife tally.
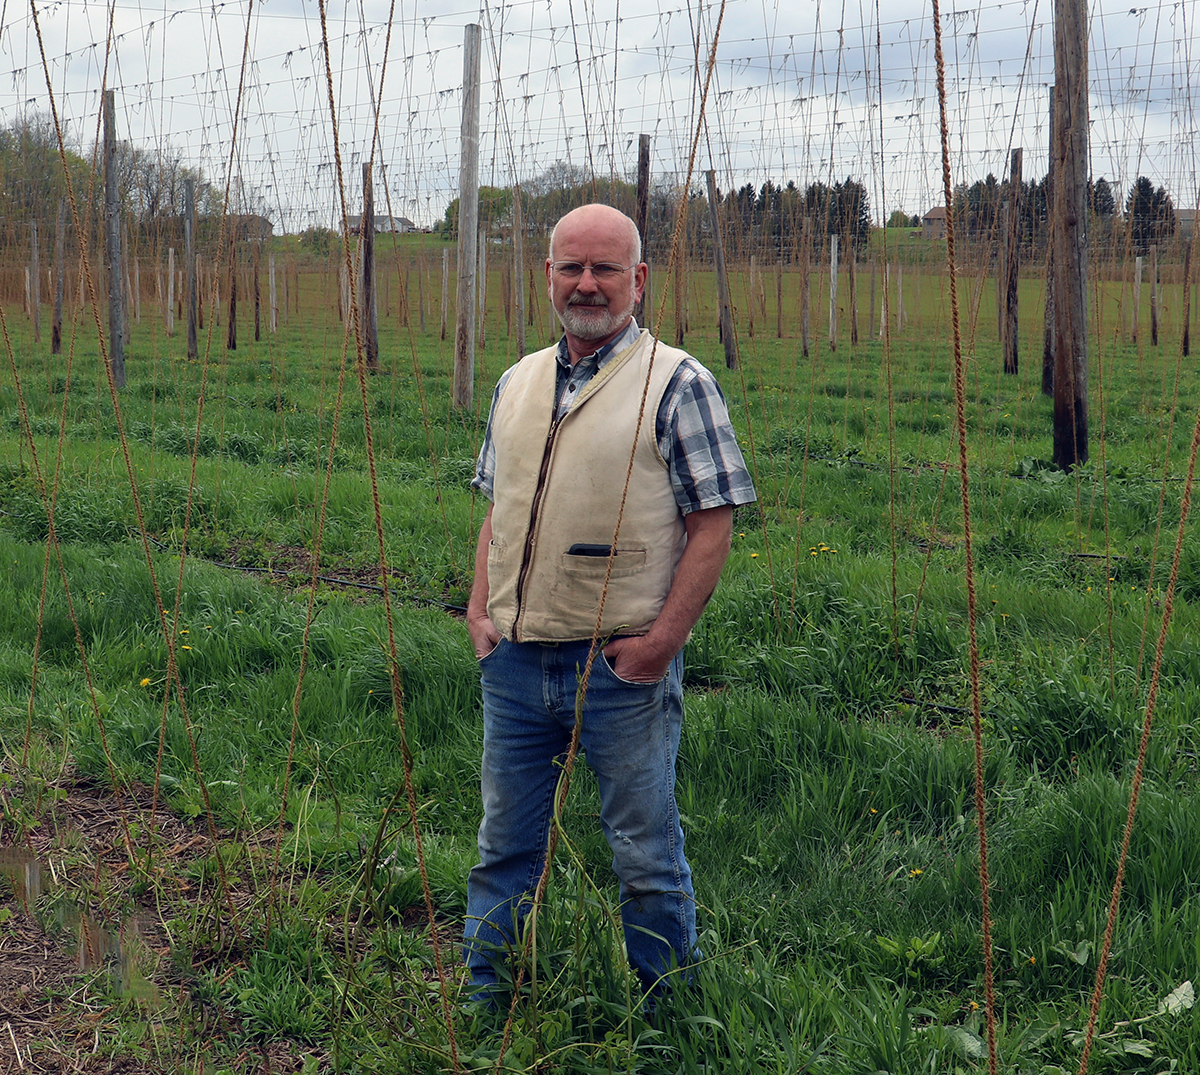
(563, 424)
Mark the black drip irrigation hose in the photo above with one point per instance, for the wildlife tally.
(330, 579)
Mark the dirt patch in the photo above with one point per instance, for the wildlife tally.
(82, 934)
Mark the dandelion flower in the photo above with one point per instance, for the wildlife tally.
(874, 811)
(146, 682)
(186, 647)
(915, 873)
(754, 556)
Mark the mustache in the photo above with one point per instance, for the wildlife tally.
(587, 300)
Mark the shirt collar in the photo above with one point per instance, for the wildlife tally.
(598, 357)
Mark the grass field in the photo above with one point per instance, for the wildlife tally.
(827, 772)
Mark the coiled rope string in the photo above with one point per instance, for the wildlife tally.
(969, 567)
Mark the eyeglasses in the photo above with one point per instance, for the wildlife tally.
(572, 270)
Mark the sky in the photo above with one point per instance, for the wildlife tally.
(800, 91)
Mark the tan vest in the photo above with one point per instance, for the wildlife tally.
(558, 487)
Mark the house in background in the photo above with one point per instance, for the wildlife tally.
(933, 223)
(385, 225)
(1185, 223)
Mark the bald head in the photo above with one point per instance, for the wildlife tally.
(596, 219)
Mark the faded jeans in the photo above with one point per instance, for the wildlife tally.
(630, 737)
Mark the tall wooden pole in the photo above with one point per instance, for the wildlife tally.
(722, 279)
(805, 283)
(779, 299)
(519, 268)
(170, 310)
(256, 269)
(367, 304)
(1154, 296)
(852, 276)
(643, 215)
(681, 277)
(112, 247)
(468, 223)
(1010, 266)
(1070, 227)
(445, 289)
(1136, 308)
(1048, 326)
(60, 247)
(833, 282)
(231, 328)
(35, 271)
(189, 257)
(272, 293)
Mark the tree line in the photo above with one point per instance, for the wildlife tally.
(150, 185)
(770, 220)
(1148, 216)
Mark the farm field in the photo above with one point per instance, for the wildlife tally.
(234, 860)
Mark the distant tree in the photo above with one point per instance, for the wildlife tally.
(916, 221)
(1101, 199)
(32, 179)
(495, 209)
(1151, 214)
(317, 240)
(900, 219)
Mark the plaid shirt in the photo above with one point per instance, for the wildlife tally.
(692, 426)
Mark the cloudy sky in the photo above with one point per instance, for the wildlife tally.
(800, 91)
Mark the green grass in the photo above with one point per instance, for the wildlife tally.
(826, 772)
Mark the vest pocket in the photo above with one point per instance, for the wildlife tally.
(593, 568)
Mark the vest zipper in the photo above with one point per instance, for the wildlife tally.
(535, 507)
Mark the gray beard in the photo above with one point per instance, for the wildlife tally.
(592, 327)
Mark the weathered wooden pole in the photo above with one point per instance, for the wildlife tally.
(1187, 300)
(190, 267)
(1010, 266)
(681, 276)
(852, 270)
(1070, 224)
(779, 298)
(170, 310)
(722, 280)
(750, 300)
(871, 314)
(35, 272)
(272, 294)
(445, 288)
(1048, 324)
(231, 328)
(833, 282)
(112, 247)
(1137, 300)
(60, 259)
(805, 283)
(468, 223)
(1154, 296)
(420, 264)
(519, 268)
(643, 214)
(368, 307)
(481, 290)
(256, 283)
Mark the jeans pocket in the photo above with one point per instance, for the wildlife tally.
(490, 653)
(644, 684)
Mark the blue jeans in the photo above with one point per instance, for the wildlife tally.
(630, 736)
